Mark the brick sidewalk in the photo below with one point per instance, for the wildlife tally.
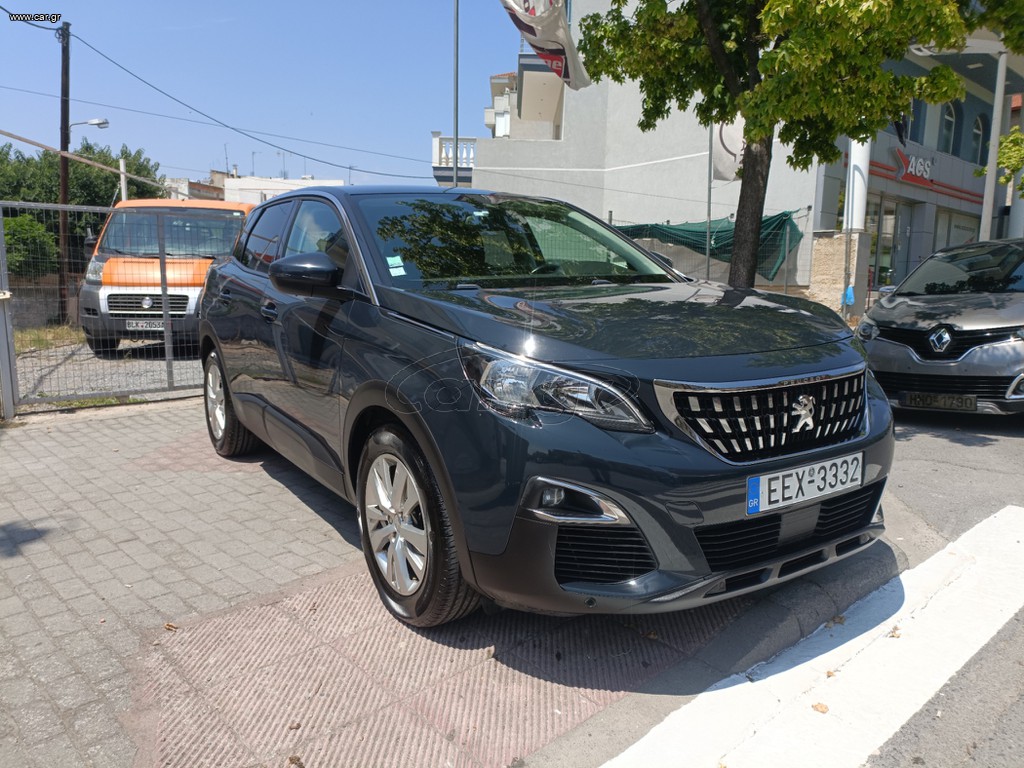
(115, 522)
(162, 606)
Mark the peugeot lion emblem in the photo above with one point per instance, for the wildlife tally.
(940, 339)
(803, 410)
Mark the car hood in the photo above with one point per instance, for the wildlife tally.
(963, 311)
(639, 322)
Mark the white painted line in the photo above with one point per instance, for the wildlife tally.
(896, 648)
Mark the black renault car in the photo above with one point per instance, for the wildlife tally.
(527, 408)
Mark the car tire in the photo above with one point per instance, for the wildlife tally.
(407, 534)
(102, 346)
(228, 435)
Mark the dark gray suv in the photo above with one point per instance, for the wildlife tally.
(527, 408)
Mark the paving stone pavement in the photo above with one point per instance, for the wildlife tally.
(163, 606)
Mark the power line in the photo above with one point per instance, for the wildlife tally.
(206, 122)
(239, 131)
(221, 123)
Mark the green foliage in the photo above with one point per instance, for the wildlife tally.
(808, 71)
(31, 251)
(811, 70)
(37, 178)
(1011, 157)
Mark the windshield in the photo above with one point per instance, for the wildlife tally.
(980, 268)
(442, 241)
(185, 232)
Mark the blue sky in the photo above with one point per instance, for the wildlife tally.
(368, 76)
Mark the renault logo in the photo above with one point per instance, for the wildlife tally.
(940, 339)
(803, 410)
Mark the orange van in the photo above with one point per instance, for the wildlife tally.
(149, 249)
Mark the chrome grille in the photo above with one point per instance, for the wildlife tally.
(763, 422)
(961, 342)
(132, 305)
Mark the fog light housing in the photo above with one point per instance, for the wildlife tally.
(552, 497)
(556, 501)
(1016, 390)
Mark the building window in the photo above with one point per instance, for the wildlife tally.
(947, 129)
(978, 154)
(917, 112)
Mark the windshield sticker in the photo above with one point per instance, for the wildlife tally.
(397, 271)
(394, 261)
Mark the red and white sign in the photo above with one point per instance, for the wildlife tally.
(913, 169)
(544, 26)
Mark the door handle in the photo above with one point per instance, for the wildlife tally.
(269, 312)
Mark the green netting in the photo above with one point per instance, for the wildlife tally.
(771, 254)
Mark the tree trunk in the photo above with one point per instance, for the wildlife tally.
(757, 160)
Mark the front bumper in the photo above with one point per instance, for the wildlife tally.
(137, 312)
(992, 373)
(686, 540)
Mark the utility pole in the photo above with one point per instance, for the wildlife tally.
(455, 78)
(64, 35)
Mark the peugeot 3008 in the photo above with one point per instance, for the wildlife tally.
(527, 408)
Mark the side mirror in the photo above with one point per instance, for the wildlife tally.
(309, 274)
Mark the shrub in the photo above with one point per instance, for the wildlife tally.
(31, 251)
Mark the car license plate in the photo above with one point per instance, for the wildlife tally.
(794, 486)
(144, 325)
(939, 402)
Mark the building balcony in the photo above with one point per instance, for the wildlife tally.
(445, 153)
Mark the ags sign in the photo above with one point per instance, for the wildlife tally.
(913, 169)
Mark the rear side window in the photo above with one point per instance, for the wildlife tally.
(264, 240)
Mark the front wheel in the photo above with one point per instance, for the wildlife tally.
(407, 535)
(102, 346)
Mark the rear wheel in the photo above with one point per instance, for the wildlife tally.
(407, 535)
(228, 435)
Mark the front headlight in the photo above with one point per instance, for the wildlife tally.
(94, 272)
(516, 386)
(867, 330)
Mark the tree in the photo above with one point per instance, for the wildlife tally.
(37, 178)
(1011, 158)
(807, 70)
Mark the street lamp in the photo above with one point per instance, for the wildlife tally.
(99, 122)
(65, 142)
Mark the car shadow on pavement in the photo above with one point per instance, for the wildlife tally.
(969, 429)
(330, 507)
(149, 350)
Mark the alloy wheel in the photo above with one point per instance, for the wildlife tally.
(397, 524)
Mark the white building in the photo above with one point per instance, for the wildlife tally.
(584, 146)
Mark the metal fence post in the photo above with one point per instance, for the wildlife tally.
(7, 361)
(785, 260)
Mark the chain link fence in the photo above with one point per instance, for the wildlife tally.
(45, 360)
